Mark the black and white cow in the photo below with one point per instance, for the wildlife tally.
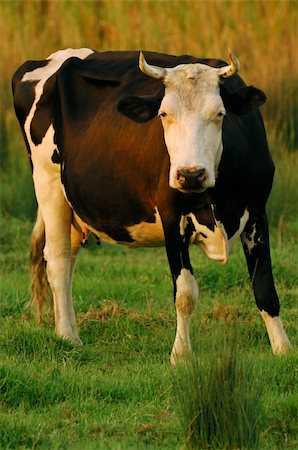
(168, 153)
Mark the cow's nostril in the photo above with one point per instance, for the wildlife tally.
(183, 174)
(201, 174)
(180, 176)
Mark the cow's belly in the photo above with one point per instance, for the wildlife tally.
(214, 243)
(143, 234)
(146, 234)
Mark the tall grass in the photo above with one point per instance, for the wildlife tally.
(263, 35)
(220, 402)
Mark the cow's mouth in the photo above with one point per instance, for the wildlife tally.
(192, 191)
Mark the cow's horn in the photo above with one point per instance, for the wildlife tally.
(232, 69)
(151, 71)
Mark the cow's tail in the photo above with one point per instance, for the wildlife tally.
(39, 281)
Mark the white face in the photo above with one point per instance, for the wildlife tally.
(192, 113)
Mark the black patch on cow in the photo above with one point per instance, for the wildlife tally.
(56, 157)
(89, 70)
(205, 216)
(190, 227)
(44, 114)
(248, 237)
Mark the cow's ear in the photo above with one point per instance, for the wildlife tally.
(244, 100)
(139, 109)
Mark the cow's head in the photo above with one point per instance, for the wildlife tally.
(192, 113)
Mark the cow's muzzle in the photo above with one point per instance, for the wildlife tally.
(192, 178)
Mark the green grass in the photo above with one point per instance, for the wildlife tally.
(204, 29)
(221, 406)
(118, 391)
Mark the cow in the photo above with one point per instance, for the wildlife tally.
(146, 149)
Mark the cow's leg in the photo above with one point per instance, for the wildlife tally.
(255, 241)
(185, 287)
(186, 297)
(57, 216)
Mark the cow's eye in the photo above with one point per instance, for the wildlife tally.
(162, 114)
(221, 114)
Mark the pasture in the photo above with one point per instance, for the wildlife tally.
(118, 391)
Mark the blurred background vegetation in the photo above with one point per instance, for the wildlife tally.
(263, 34)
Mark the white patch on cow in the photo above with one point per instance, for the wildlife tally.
(186, 300)
(243, 222)
(42, 74)
(147, 234)
(55, 62)
(216, 244)
(192, 112)
(183, 225)
(250, 241)
(278, 339)
(213, 243)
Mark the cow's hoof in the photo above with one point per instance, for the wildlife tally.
(77, 342)
(283, 348)
(73, 340)
(179, 358)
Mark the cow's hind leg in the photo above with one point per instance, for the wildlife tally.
(58, 254)
(39, 281)
(255, 241)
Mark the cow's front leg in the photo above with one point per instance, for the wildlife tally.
(185, 286)
(255, 241)
(185, 301)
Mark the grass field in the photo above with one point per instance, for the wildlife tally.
(118, 391)
(262, 34)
